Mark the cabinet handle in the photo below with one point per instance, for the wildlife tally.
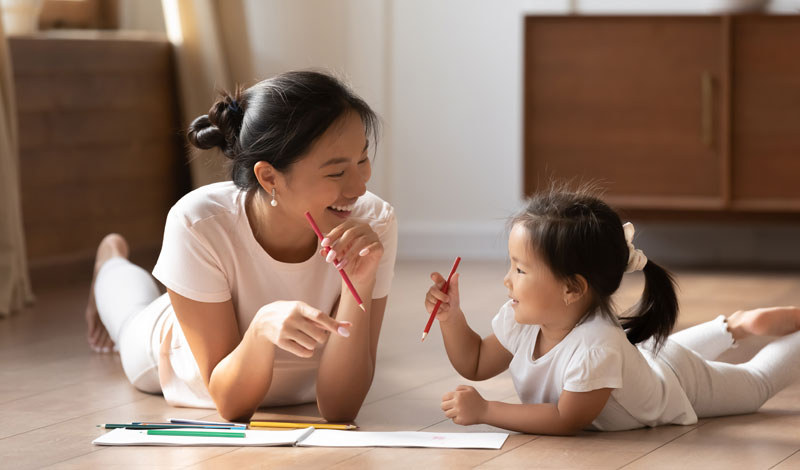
(707, 108)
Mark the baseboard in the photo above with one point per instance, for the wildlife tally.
(674, 244)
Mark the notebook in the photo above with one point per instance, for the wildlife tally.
(309, 437)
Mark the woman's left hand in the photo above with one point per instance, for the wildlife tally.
(464, 405)
(357, 248)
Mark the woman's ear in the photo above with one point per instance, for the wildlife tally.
(575, 288)
(266, 175)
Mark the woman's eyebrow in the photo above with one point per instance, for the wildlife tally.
(335, 161)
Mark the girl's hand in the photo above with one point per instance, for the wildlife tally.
(464, 405)
(297, 327)
(450, 300)
(357, 248)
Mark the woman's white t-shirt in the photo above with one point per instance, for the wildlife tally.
(595, 354)
(209, 254)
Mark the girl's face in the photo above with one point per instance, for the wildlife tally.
(328, 181)
(537, 296)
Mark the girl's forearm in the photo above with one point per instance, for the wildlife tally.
(462, 344)
(241, 379)
(347, 364)
(543, 418)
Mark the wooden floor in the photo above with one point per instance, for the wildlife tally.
(53, 391)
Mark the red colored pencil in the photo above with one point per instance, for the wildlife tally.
(335, 262)
(439, 302)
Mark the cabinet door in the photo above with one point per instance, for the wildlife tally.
(765, 123)
(631, 102)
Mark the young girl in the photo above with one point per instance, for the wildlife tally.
(252, 315)
(574, 363)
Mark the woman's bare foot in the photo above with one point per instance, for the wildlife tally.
(112, 245)
(772, 321)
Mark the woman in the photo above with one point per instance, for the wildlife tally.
(253, 316)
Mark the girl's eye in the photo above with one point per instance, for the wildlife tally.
(336, 175)
(363, 161)
(519, 271)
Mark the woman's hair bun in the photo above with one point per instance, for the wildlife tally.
(205, 135)
(220, 127)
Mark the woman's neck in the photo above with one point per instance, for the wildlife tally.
(283, 239)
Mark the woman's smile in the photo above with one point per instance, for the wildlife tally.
(342, 211)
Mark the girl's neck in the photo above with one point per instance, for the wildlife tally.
(553, 333)
(283, 239)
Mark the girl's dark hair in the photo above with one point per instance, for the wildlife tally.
(276, 121)
(575, 232)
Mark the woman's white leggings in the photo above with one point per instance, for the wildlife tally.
(125, 295)
(719, 388)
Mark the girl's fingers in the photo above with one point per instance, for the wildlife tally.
(439, 295)
(453, 287)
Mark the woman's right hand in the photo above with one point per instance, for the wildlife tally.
(297, 327)
(450, 300)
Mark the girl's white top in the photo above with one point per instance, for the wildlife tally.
(595, 354)
(209, 254)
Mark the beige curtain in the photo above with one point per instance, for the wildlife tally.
(15, 285)
(195, 32)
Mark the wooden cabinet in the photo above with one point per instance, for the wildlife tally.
(100, 141)
(667, 113)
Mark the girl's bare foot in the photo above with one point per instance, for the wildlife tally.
(772, 321)
(112, 245)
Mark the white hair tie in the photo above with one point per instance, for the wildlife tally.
(636, 258)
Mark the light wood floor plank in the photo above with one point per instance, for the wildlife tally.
(54, 391)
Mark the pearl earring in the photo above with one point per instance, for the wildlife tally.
(273, 202)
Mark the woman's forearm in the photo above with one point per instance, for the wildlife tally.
(347, 364)
(241, 379)
(462, 344)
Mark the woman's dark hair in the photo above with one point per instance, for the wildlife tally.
(276, 121)
(575, 232)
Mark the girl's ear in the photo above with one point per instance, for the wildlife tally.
(575, 288)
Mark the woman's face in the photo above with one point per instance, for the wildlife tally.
(537, 296)
(328, 181)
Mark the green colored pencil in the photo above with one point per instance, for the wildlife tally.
(176, 432)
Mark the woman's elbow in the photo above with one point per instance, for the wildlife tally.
(338, 414)
(233, 414)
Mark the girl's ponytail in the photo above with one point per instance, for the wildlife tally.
(576, 233)
(655, 314)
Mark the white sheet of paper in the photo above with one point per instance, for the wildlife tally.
(135, 437)
(452, 440)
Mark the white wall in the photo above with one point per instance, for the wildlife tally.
(456, 104)
(343, 36)
(446, 76)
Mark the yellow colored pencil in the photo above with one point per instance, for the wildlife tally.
(283, 424)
